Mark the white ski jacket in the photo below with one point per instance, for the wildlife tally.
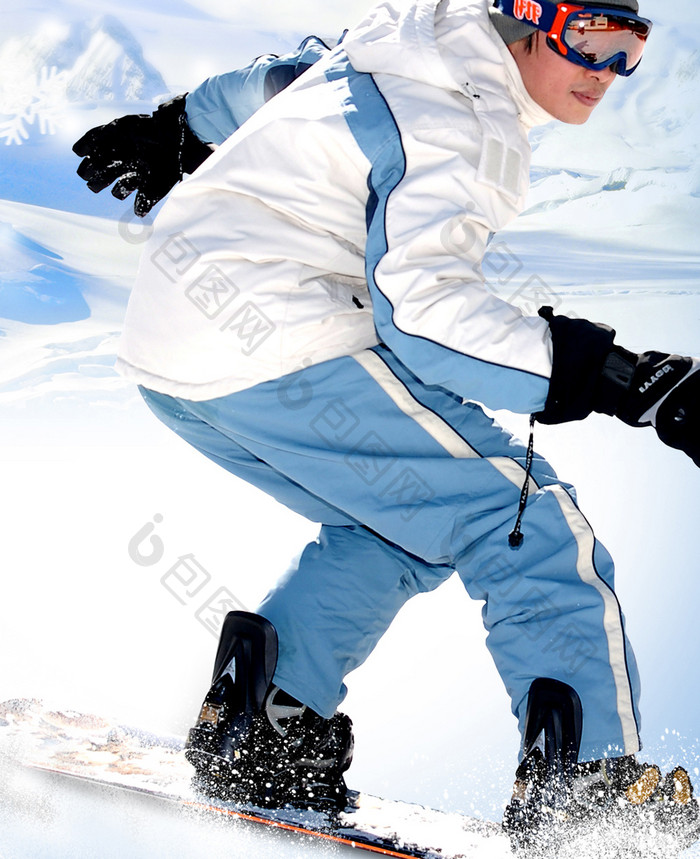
(352, 208)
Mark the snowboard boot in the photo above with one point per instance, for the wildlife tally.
(255, 744)
(628, 808)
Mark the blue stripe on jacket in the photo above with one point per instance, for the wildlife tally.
(373, 126)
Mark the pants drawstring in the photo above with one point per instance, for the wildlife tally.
(516, 536)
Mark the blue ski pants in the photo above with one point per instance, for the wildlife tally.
(411, 484)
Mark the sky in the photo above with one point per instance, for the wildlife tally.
(101, 502)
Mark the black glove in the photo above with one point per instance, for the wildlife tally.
(591, 374)
(664, 392)
(143, 153)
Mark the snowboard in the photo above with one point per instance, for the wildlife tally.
(95, 750)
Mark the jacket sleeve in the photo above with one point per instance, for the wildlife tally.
(222, 103)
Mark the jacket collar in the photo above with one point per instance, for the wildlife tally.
(475, 53)
(530, 113)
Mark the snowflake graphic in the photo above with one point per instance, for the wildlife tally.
(32, 102)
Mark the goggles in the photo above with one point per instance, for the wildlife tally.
(592, 36)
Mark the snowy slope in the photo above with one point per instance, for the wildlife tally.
(610, 233)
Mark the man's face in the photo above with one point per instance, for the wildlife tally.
(567, 91)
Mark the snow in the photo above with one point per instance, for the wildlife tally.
(610, 234)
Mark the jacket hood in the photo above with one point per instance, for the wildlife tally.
(399, 39)
(451, 44)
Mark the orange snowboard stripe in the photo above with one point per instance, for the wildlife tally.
(298, 829)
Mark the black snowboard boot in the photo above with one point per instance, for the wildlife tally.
(255, 744)
(614, 807)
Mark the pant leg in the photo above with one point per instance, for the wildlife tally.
(331, 610)
(553, 612)
(226, 452)
(441, 481)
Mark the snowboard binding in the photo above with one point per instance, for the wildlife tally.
(255, 744)
(542, 794)
(615, 807)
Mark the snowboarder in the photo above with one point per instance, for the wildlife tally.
(310, 313)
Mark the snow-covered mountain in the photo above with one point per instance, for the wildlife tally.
(43, 72)
(98, 60)
(111, 66)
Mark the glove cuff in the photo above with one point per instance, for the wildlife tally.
(191, 151)
(581, 350)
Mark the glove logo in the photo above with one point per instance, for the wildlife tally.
(667, 368)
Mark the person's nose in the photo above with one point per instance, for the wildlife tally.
(605, 76)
